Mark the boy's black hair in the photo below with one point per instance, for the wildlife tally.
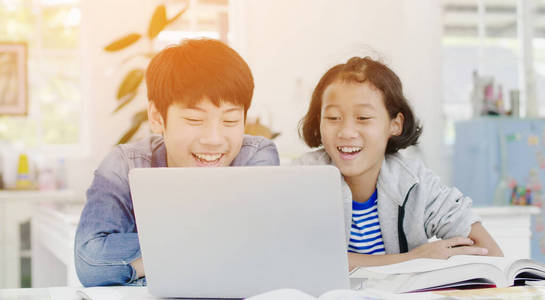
(198, 69)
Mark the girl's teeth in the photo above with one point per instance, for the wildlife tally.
(349, 149)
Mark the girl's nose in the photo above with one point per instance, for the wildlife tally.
(348, 131)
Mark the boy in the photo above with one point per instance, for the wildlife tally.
(199, 93)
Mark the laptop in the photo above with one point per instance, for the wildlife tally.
(235, 232)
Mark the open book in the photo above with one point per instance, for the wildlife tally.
(366, 294)
(458, 271)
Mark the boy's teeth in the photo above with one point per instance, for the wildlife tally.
(349, 149)
(208, 157)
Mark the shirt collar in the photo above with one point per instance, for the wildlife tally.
(159, 156)
(395, 178)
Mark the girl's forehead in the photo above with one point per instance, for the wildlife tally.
(363, 95)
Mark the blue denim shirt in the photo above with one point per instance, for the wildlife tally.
(106, 239)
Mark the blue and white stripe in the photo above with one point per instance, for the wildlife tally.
(365, 236)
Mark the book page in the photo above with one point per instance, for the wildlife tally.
(533, 270)
(428, 264)
(288, 294)
(502, 263)
(115, 293)
(475, 274)
(374, 294)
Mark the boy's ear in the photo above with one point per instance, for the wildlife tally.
(157, 124)
(396, 125)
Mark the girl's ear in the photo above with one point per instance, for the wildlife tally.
(157, 124)
(396, 125)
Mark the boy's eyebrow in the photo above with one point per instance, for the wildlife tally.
(225, 111)
(195, 108)
(232, 109)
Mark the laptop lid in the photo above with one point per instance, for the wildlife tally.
(235, 232)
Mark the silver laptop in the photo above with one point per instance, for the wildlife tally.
(235, 232)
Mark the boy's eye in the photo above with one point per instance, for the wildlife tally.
(193, 121)
(363, 118)
(231, 122)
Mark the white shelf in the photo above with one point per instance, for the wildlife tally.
(35, 195)
(506, 211)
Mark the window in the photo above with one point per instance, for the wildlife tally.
(479, 37)
(204, 18)
(51, 30)
(482, 36)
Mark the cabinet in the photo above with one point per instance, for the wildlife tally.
(15, 210)
(497, 159)
(53, 232)
(514, 235)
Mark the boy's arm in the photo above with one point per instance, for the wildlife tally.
(441, 249)
(483, 239)
(106, 240)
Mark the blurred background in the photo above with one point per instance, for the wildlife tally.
(71, 88)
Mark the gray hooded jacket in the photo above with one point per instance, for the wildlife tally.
(431, 208)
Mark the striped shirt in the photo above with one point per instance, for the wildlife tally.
(365, 236)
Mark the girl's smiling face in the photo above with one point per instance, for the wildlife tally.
(355, 127)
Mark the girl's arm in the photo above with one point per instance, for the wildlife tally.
(483, 239)
(441, 249)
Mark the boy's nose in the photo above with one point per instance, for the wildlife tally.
(211, 136)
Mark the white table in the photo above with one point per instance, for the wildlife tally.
(15, 209)
(70, 293)
(510, 226)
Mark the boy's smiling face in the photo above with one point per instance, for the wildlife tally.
(204, 135)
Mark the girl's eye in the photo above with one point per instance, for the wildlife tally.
(363, 118)
(331, 118)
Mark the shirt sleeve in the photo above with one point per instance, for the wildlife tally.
(106, 239)
(265, 154)
(447, 212)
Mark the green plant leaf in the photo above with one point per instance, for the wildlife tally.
(130, 83)
(137, 120)
(126, 100)
(129, 134)
(181, 12)
(140, 116)
(158, 21)
(123, 42)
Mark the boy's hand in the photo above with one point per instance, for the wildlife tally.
(444, 249)
(138, 265)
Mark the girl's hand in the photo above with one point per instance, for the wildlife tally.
(444, 249)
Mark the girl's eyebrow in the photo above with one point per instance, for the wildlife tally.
(330, 106)
(369, 105)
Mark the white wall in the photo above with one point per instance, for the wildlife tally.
(290, 44)
(102, 22)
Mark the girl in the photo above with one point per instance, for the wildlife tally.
(360, 118)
